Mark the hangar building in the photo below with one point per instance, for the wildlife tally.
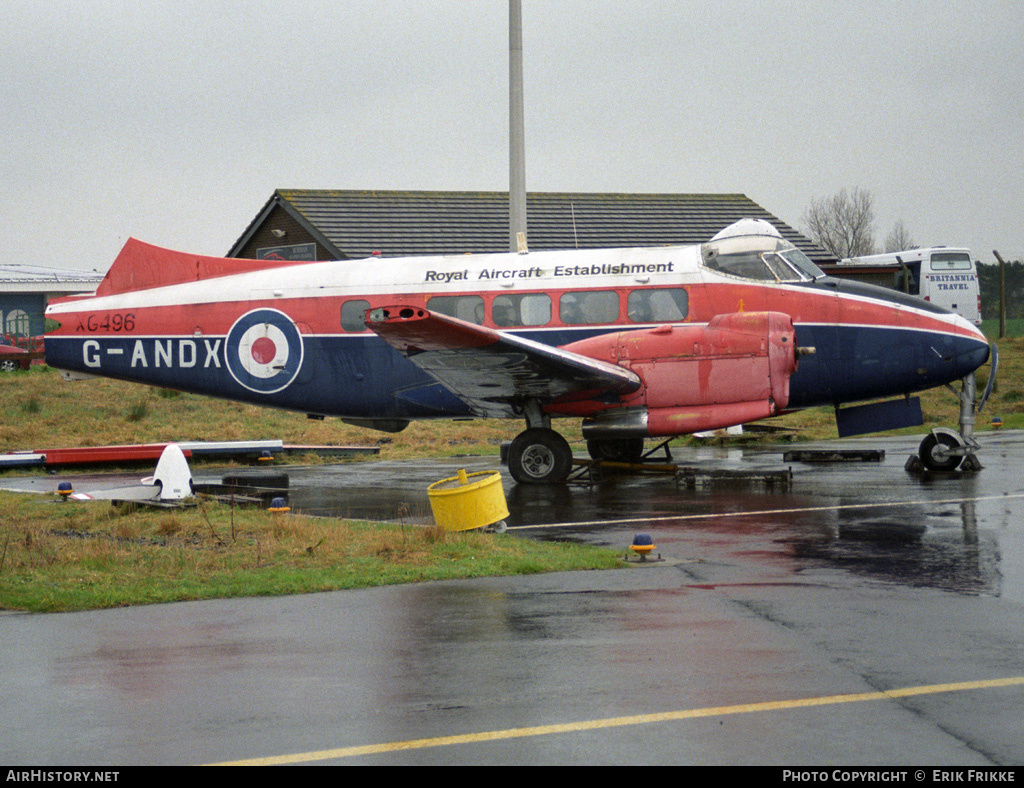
(309, 224)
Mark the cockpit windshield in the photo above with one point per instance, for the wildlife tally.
(762, 257)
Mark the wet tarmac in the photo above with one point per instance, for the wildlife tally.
(870, 517)
(864, 615)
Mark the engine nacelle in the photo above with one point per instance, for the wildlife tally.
(735, 369)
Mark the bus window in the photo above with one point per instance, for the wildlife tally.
(353, 314)
(658, 305)
(908, 279)
(599, 306)
(533, 309)
(951, 261)
(468, 308)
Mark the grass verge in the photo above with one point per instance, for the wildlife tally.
(77, 556)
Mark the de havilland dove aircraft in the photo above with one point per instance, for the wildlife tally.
(638, 343)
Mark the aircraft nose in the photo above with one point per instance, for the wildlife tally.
(972, 347)
(973, 357)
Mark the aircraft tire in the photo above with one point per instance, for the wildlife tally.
(932, 452)
(539, 456)
(616, 450)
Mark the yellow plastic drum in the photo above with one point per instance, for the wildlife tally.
(469, 500)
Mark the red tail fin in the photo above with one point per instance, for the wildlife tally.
(141, 266)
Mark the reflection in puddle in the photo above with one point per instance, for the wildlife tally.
(913, 546)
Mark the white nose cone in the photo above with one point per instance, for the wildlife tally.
(172, 474)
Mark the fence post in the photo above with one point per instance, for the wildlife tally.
(1002, 295)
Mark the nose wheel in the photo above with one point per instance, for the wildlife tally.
(942, 451)
(947, 450)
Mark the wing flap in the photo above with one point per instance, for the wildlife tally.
(492, 371)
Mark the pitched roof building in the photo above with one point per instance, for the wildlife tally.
(309, 224)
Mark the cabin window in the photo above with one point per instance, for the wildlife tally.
(661, 305)
(533, 309)
(585, 308)
(353, 315)
(468, 308)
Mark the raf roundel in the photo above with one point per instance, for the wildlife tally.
(264, 351)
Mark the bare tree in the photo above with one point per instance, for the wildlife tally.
(899, 239)
(842, 224)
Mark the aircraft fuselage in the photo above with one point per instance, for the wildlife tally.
(312, 352)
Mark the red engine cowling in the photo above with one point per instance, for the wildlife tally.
(735, 369)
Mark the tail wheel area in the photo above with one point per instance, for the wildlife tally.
(539, 456)
(940, 451)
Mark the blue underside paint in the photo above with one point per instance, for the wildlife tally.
(362, 377)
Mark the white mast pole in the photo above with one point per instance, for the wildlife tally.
(517, 144)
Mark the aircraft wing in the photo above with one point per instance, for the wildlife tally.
(494, 372)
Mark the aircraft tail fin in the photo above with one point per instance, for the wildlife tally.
(141, 266)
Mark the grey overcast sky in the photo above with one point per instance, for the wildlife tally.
(173, 121)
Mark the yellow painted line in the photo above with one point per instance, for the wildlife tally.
(756, 512)
(619, 722)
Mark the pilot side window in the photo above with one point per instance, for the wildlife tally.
(353, 315)
(749, 265)
(585, 308)
(533, 309)
(468, 308)
(661, 305)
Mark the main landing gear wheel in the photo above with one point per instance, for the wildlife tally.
(629, 450)
(940, 452)
(539, 456)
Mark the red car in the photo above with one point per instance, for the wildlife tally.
(19, 352)
(12, 358)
